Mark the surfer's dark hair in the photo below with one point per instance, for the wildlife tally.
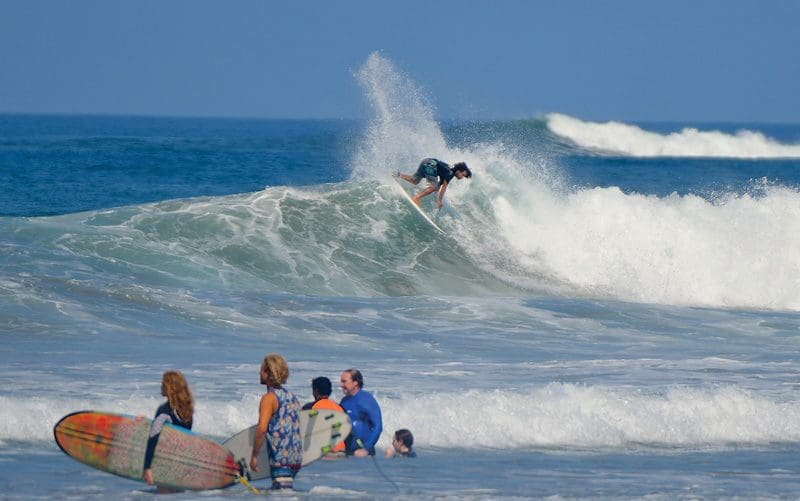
(462, 166)
(356, 376)
(405, 437)
(322, 385)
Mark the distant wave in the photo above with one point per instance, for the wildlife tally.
(624, 139)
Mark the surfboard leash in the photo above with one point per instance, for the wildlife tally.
(377, 467)
(243, 480)
(243, 477)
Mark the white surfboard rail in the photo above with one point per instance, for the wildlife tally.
(415, 206)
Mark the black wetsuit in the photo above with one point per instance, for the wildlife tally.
(435, 171)
(164, 414)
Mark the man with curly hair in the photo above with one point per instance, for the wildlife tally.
(438, 175)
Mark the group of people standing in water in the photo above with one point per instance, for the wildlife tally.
(279, 420)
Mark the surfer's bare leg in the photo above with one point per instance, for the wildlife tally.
(424, 193)
(410, 179)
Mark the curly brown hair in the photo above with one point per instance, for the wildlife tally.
(178, 394)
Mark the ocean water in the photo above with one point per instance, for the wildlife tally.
(612, 311)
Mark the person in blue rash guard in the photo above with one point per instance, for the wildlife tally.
(365, 415)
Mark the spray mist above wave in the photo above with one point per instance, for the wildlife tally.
(623, 139)
(403, 129)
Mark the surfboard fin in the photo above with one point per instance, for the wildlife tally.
(244, 471)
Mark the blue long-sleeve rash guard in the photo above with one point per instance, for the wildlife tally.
(365, 415)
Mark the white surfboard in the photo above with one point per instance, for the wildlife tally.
(322, 430)
(415, 206)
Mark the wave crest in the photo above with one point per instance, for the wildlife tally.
(618, 138)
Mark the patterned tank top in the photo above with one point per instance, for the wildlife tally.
(283, 434)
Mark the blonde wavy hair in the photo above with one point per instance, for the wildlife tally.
(277, 368)
(178, 394)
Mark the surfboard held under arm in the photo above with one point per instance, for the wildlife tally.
(321, 430)
(116, 443)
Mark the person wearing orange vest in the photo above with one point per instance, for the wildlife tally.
(321, 388)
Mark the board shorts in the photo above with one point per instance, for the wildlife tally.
(281, 483)
(283, 477)
(427, 170)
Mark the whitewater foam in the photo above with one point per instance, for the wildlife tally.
(557, 414)
(736, 252)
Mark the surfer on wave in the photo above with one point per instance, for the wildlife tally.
(438, 174)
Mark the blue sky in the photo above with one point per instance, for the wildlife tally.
(672, 60)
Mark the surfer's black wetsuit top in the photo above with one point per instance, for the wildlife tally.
(164, 414)
(434, 170)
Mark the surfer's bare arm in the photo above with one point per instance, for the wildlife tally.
(441, 193)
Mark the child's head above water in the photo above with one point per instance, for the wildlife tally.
(403, 441)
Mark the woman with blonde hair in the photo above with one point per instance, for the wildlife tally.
(278, 424)
(178, 410)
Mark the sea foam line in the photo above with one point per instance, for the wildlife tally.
(554, 415)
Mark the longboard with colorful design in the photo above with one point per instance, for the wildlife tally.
(116, 443)
(322, 431)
